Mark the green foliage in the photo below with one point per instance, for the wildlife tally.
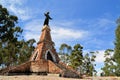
(109, 68)
(112, 62)
(65, 50)
(117, 48)
(117, 44)
(88, 64)
(76, 56)
(12, 50)
(25, 50)
(117, 70)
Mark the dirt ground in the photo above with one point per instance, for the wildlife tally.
(34, 77)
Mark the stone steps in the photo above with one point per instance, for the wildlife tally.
(53, 75)
(67, 72)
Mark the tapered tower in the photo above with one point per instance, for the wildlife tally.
(45, 47)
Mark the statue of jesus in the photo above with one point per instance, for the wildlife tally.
(46, 22)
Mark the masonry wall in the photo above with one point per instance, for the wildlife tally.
(39, 66)
(21, 68)
(53, 68)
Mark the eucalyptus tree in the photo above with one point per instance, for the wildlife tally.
(65, 50)
(109, 64)
(117, 43)
(10, 39)
(76, 57)
(117, 47)
(88, 65)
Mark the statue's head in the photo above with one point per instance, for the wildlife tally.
(47, 12)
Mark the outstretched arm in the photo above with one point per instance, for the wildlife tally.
(50, 18)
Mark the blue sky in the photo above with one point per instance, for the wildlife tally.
(88, 22)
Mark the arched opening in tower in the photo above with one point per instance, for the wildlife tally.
(49, 57)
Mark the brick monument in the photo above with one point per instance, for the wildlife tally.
(44, 60)
(45, 47)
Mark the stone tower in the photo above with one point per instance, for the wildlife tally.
(45, 47)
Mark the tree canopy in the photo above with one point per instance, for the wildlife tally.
(13, 49)
(117, 47)
(83, 63)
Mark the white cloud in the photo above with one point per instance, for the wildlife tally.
(59, 34)
(101, 33)
(17, 7)
(33, 26)
(100, 60)
(63, 32)
(32, 30)
(30, 35)
(103, 22)
(7, 2)
(68, 34)
(99, 25)
(100, 56)
(99, 71)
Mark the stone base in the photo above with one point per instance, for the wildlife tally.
(28, 73)
(42, 67)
